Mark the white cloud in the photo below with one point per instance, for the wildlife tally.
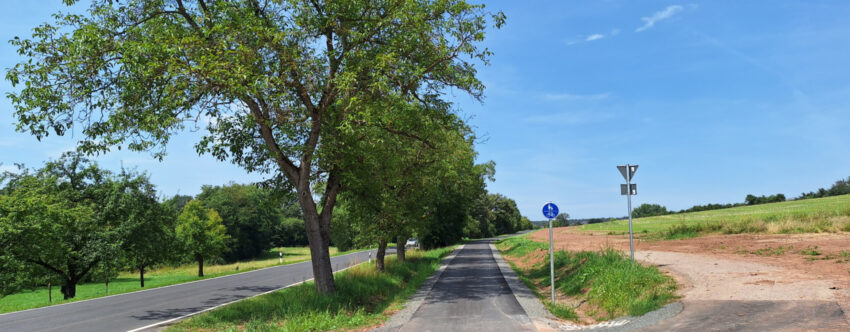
(570, 118)
(576, 97)
(659, 16)
(595, 36)
(589, 38)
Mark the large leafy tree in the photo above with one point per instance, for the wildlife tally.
(201, 233)
(147, 227)
(279, 81)
(51, 219)
(390, 183)
(506, 218)
(249, 213)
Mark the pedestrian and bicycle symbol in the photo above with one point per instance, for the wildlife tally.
(550, 210)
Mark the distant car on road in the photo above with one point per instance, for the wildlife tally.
(412, 243)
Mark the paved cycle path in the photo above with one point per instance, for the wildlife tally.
(141, 309)
(470, 295)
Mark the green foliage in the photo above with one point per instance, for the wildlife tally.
(201, 233)
(60, 219)
(363, 294)
(287, 86)
(649, 210)
(561, 220)
(525, 223)
(147, 228)
(175, 204)
(496, 214)
(810, 251)
(290, 232)
(250, 214)
(396, 183)
(840, 187)
(753, 200)
(561, 311)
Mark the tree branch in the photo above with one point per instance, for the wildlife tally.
(182, 11)
(283, 161)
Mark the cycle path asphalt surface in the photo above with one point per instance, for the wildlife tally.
(470, 295)
(131, 311)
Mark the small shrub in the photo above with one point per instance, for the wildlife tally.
(810, 251)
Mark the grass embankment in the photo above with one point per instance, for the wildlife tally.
(591, 286)
(819, 215)
(364, 298)
(164, 276)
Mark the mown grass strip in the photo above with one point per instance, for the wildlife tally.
(607, 281)
(363, 296)
(164, 276)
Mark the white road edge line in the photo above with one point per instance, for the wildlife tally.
(224, 304)
(183, 283)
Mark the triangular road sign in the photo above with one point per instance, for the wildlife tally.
(632, 170)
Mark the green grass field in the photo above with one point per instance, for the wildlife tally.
(362, 297)
(164, 276)
(829, 214)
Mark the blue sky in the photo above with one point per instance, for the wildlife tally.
(714, 100)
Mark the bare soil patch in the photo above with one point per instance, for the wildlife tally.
(741, 267)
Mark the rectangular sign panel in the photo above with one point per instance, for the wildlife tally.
(624, 191)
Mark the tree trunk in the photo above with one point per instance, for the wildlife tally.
(107, 285)
(400, 249)
(69, 289)
(142, 276)
(200, 260)
(382, 251)
(50, 292)
(318, 235)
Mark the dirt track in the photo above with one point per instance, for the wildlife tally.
(800, 282)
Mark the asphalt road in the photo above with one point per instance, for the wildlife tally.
(131, 311)
(471, 295)
(756, 316)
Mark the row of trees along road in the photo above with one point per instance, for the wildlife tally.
(72, 221)
(288, 86)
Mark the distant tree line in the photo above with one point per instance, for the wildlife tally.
(563, 219)
(755, 200)
(840, 187)
(649, 210)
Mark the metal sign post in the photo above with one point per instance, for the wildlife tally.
(629, 189)
(550, 210)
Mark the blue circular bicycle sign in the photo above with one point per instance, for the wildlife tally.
(550, 210)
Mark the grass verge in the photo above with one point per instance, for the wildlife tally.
(164, 276)
(598, 285)
(364, 298)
